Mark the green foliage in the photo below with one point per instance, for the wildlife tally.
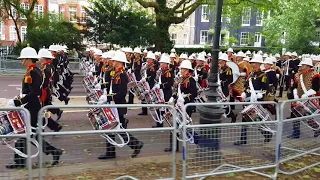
(231, 41)
(50, 30)
(208, 49)
(296, 18)
(111, 23)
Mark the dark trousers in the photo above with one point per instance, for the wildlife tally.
(111, 149)
(243, 137)
(131, 98)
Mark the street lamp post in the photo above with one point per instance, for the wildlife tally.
(212, 114)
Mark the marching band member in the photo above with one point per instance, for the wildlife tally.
(108, 71)
(182, 57)
(237, 87)
(295, 60)
(277, 69)
(156, 62)
(225, 76)
(166, 79)
(258, 80)
(278, 60)
(173, 64)
(188, 89)
(272, 83)
(144, 55)
(151, 75)
(46, 98)
(230, 55)
(98, 63)
(31, 87)
(119, 83)
(286, 80)
(202, 70)
(316, 64)
(208, 58)
(306, 84)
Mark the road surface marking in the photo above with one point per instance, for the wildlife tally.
(14, 85)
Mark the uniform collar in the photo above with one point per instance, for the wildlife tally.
(224, 65)
(46, 63)
(256, 70)
(307, 71)
(31, 66)
(119, 69)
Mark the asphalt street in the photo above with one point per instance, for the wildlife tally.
(84, 149)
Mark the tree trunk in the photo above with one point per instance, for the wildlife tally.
(162, 38)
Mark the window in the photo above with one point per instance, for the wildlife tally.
(24, 6)
(228, 20)
(203, 37)
(38, 10)
(318, 35)
(2, 31)
(246, 17)
(185, 38)
(61, 9)
(13, 12)
(13, 33)
(83, 16)
(186, 21)
(244, 38)
(174, 38)
(73, 14)
(257, 37)
(204, 13)
(23, 33)
(259, 18)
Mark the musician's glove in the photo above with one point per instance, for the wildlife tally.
(129, 71)
(243, 74)
(310, 92)
(196, 78)
(90, 73)
(243, 95)
(103, 99)
(157, 86)
(180, 100)
(11, 103)
(259, 95)
(171, 101)
(278, 76)
(97, 86)
(295, 94)
(143, 80)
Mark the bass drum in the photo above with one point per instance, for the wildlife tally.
(235, 70)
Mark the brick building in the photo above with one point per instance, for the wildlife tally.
(8, 33)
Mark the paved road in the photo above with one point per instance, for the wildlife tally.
(85, 148)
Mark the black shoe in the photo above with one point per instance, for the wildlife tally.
(239, 143)
(234, 118)
(14, 166)
(156, 126)
(137, 150)
(105, 156)
(56, 156)
(59, 128)
(143, 114)
(59, 115)
(316, 133)
(169, 149)
(293, 136)
(66, 101)
(267, 139)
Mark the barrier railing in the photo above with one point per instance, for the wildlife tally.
(152, 138)
(305, 142)
(212, 153)
(4, 157)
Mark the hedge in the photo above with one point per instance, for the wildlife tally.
(209, 49)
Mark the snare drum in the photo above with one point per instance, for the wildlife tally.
(103, 118)
(255, 112)
(11, 123)
(307, 108)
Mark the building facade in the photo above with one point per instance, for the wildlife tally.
(8, 32)
(183, 33)
(246, 32)
(73, 10)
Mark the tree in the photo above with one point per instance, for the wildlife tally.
(13, 10)
(295, 23)
(169, 12)
(110, 22)
(51, 30)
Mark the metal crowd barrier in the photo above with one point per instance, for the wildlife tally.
(89, 140)
(9, 153)
(74, 65)
(215, 155)
(293, 149)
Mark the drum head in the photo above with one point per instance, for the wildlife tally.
(235, 70)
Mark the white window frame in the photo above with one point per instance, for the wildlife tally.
(12, 33)
(173, 37)
(257, 36)
(204, 39)
(259, 18)
(242, 34)
(13, 12)
(71, 10)
(39, 10)
(83, 19)
(246, 17)
(24, 6)
(318, 35)
(23, 30)
(185, 38)
(186, 21)
(225, 36)
(61, 10)
(204, 13)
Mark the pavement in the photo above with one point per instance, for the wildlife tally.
(81, 151)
